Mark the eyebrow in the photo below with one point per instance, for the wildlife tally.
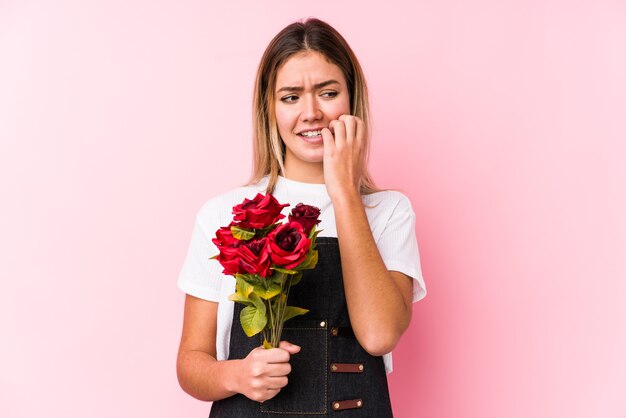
(315, 86)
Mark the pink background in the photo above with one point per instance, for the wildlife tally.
(504, 121)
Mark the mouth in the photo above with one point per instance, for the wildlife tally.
(314, 136)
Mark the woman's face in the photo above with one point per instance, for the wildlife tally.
(310, 92)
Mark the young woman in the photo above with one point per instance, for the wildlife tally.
(311, 146)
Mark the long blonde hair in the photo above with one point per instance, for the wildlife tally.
(308, 35)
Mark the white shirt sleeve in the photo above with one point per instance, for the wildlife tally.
(200, 276)
(398, 245)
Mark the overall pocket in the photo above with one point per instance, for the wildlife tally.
(307, 390)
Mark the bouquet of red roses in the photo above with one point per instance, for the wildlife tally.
(267, 257)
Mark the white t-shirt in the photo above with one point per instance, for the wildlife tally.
(391, 220)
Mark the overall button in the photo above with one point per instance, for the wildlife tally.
(342, 332)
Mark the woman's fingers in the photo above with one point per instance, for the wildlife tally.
(349, 134)
(265, 395)
(348, 130)
(273, 355)
(291, 348)
(339, 130)
(265, 372)
(344, 142)
(360, 133)
(277, 383)
(279, 369)
(350, 127)
(329, 143)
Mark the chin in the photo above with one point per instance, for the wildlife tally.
(309, 161)
(313, 160)
(310, 155)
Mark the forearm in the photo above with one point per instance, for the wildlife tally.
(204, 377)
(378, 309)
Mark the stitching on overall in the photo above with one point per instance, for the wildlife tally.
(326, 369)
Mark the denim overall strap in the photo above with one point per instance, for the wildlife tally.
(332, 375)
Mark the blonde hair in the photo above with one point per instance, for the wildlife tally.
(308, 35)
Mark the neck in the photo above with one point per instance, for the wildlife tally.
(306, 173)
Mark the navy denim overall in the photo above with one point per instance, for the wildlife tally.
(332, 374)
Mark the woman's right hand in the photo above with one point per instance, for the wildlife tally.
(263, 373)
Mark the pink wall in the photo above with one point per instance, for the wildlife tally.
(502, 120)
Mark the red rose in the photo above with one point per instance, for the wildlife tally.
(228, 247)
(242, 257)
(224, 237)
(254, 257)
(288, 245)
(260, 212)
(305, 215)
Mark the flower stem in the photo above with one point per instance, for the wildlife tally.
(271, 339)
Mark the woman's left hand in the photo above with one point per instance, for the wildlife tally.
(344, 154)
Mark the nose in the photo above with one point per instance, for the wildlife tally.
(310, 109)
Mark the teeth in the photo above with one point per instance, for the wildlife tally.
(311, 133)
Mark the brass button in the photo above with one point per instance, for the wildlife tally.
(359, 403)
(333, 367)
(336, 405)
(360, 367)
(322, 324)
(334, 331)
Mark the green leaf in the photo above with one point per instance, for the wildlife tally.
(253, 319)
(267, 291)
(264, 231)
(295, 279)
(278, 278)
(282, 270)
(242, 293)
(291, 311)
(241, 233)
(245, 287)
(266, 344)
(309, 262)
(235, 297)
(313, 233)
(249, 278)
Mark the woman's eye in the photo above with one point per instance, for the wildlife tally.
(289, 99)
(329, 94)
